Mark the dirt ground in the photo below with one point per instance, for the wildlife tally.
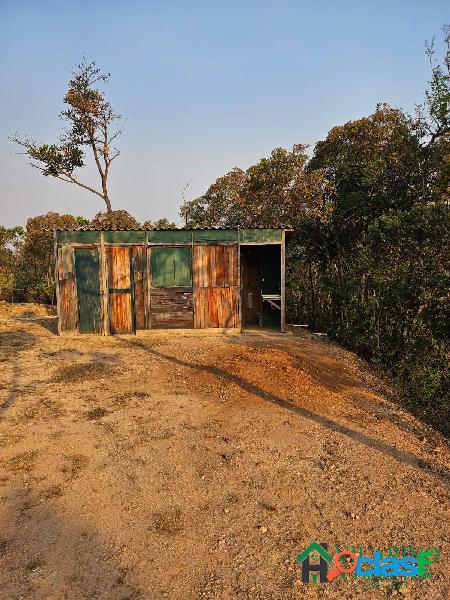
(190, 466)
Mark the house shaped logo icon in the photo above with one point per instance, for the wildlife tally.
(314, 552)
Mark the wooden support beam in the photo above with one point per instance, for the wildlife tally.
(58, 305)
(283, 283)
(193, 275)
(104, 287)
(239, 290)
(149, 286)
(146, 285)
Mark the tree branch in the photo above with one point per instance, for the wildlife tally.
(70, 179)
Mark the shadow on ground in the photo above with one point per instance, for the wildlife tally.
(11, 344)
(439, 473)
(50, 323)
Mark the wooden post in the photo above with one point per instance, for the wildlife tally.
(239, 299)
(283, 285)
(148, 268)
(146, 285)
(104, 289)
(58, 306)
(193, 280)
(133, 305)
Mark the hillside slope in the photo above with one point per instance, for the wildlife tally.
(189, 466)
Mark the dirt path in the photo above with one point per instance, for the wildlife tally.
(192, 466)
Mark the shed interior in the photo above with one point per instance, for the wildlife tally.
(261, 285)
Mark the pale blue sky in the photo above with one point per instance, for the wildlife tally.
(204, 86)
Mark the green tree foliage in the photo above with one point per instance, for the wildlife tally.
(159, 224)
(10, 240)
(116, 219)
(34, 275)
(432, 116)
(278, 191)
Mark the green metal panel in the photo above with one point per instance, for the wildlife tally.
(78, 237)
(171, 267)
(88, 290)
(260, 236)
(124, 237)
(215, 235)
(170, 236)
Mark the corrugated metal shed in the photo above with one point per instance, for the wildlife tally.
(117, 281)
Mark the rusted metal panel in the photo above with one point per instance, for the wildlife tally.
(260, 236)
(67, 296)
(139, 262)
(78, 237)
(216, 286)
(120, 290)
(215, 236)
(124, 237)
(215, 266)
(169, 236)
(172, 308)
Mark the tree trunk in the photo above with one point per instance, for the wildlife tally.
(108, 204)
(105, 192)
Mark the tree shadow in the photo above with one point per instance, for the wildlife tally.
(50, 322)
(440, 473)
(325, 363)
(11, 344)
(387, 411)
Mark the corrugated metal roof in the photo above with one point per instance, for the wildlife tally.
(158, 228)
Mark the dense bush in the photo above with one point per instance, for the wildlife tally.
(388, 300)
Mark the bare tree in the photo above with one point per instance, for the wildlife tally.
(184, 204)
(91, 118)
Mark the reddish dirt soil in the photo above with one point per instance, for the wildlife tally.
(190, 466)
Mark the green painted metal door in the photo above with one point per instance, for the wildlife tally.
(171, 266)
(88, 290)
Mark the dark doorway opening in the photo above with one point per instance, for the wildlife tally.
(261, 285)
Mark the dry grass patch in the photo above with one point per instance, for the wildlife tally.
(84, 371)
(168, 521)
(54, 491)
(23, 462)
(95, 413)
(74, 466)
